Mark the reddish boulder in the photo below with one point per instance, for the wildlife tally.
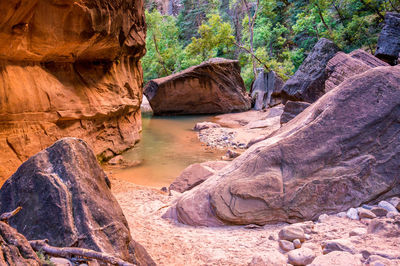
(214, 86)
(340, 152)
(66, 198)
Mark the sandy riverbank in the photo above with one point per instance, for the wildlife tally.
(171, 243)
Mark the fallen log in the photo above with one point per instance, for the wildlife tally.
(43, 246)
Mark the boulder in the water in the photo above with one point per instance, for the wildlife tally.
(215, 86)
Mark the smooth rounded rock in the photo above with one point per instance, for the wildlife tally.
(297, 243)
(291, 233)
(352, 213)
(286, 245)
(387, 206)
(301, 256)
(379, 211)
(364, 213)
(341, 215)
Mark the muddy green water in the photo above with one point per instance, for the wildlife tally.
(168, 146)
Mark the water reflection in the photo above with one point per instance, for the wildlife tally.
(168, 146)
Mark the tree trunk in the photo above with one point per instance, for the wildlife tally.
(252, 20)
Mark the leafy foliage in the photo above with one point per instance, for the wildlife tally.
(284, 32)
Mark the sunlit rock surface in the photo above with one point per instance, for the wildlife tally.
(69, 68)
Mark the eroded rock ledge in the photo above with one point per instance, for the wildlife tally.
(69, 68)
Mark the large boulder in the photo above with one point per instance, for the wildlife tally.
(66, 198)
(307, 84)
(69, 68)
(15, 248)
(214, 86)
(389, 40)
(341, 152)
(266, 90)
(343, 66)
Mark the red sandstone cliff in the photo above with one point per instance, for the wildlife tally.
(69, 68)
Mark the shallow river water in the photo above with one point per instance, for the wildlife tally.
(168, 146)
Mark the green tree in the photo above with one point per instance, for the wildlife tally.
(164, 51)
(215, 38)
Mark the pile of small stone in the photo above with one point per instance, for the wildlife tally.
(291, 240)
(383, 218)
(389, 209)
(219, 138)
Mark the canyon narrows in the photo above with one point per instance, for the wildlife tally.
(69, 68)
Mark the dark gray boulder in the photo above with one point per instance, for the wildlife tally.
(266, 90)
(66, 198)
(292, 109)
(308, 83)
(389, 39)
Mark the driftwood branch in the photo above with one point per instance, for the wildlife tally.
(5, 216)
(42, 245)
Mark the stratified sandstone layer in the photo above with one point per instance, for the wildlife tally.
(340, 152)
(214, 86)
(69, 68)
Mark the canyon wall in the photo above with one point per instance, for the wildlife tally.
(69, 68)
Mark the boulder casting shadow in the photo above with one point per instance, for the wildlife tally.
(341, 152)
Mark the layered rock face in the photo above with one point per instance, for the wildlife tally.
(69, 68)
(343, 66)
(389, 39)
(341, 152)
(66, 198)
(15, 248)
(214, 86)
(307, 84)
